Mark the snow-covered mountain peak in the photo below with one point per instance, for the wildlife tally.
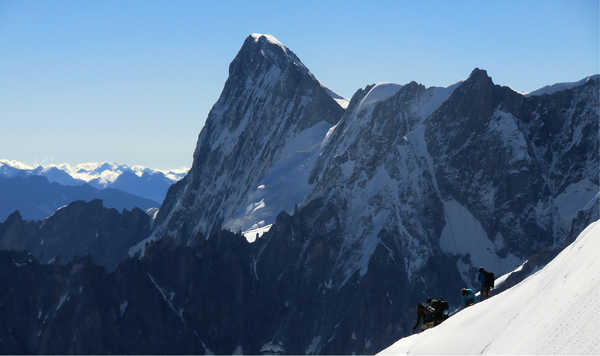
(269, 38)
(264, 131)
(264, 54)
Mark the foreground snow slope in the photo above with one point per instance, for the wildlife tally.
(555, 311)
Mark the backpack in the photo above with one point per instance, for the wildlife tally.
(440, 305)
(490, 279)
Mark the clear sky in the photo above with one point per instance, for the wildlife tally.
(132, 81)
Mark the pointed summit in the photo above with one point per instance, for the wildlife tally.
(261, 38)
(262, 52)
(270, 118)
(480, 76)
(477, 73)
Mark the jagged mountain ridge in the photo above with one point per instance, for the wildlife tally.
(75, 230)
(383, 167)
(145, 182)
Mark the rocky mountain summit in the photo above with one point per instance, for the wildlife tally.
(259, 140)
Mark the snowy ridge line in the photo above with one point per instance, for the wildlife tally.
(106, 172)
(554, 311)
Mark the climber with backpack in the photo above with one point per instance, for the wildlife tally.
(424, 314)
(468, 296)
(487, 283)
(441, 310)
(431, 313)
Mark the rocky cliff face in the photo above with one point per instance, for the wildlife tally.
(260, 138)
(76, 230)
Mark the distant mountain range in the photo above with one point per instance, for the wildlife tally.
(35, 197)
(137, 180)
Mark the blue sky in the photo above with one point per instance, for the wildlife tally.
(133, 81)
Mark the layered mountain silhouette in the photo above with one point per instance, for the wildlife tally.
(366, 209)
(36, 198)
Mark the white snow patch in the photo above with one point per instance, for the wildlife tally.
(340, 100)
(251, 234)
(63, 299)
(433, 98)
(123, 307)
(291, 169)
(152, 213)
(464, 235)
(555, 311)
(313, 348)
(102, 173)
(379, 92)
(500, 280)
(270, 38)
(505, 124)
(271, 347)
(343, 102)
(15, 164)
(574, 198)
(167, 300)
(328, 135)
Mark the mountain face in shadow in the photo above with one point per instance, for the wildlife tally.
(36, 198)
(76, 230)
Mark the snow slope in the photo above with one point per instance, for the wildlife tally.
(555, 311)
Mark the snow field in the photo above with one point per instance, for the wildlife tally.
(554, 311)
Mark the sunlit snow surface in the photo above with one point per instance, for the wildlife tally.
(103, 173)
(554, 311)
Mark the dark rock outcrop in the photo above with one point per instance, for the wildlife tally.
(77, 230)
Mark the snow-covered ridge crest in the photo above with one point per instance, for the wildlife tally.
(343, 102)
(379, 92)
(103, 172)
(270, 38)
(15, 164)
